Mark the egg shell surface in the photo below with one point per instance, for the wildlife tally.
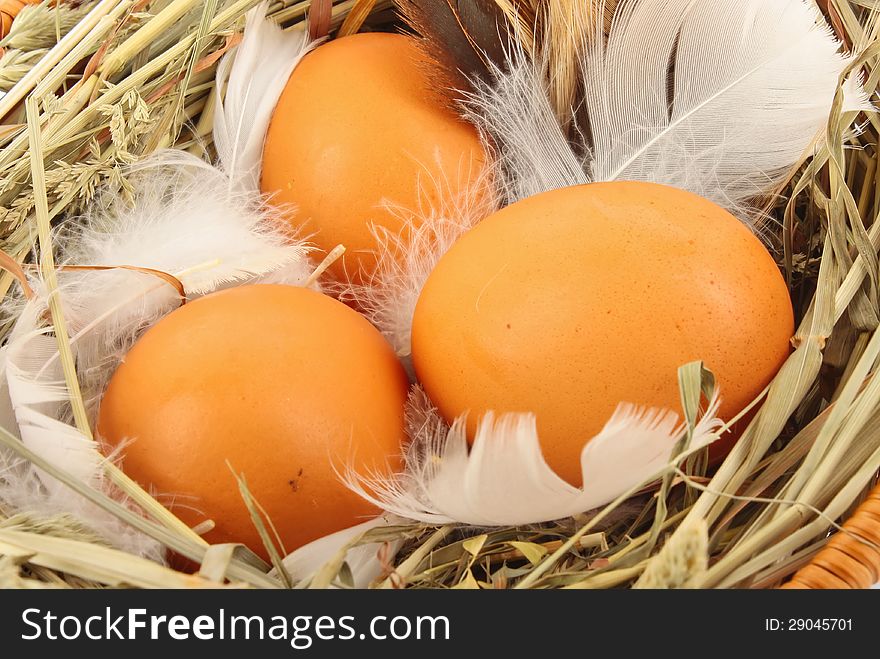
(361, 139)
(570, 302)
(280, 384)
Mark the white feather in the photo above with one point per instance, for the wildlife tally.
(504, 480)
(754, 81)
(753, 85)
(39, 398)
(514, 114)
(362, 559)
(407, 256)
(250, 80)
(184, 221)
(7, 413)
(646, 434)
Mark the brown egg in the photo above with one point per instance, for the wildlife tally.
(283, 383)
(359, 124)
(570, 302)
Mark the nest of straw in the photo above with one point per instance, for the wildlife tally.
(93, 87)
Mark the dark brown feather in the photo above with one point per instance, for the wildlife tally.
(466, 38)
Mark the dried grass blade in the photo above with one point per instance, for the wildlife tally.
(87, 560)
(257, 512)
(239, 569)
(92, 27)
(356, 17)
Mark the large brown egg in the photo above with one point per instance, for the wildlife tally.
(360, 125)
(284, 384)
(570, 302)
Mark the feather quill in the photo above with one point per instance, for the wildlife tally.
(504, 480)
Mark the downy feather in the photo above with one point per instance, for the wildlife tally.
(516, 116)
(206, 226)
(504, 480)
(406, 256)
(719, 97)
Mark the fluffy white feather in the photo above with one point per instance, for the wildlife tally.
(752, 83)
(504, 480)
(206, 226)
(250, 80)
(407, 256)
(514, 114)
(185, 221)
(37, 394)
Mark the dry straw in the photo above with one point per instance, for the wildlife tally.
(808, 458)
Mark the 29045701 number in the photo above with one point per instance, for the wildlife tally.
(808, 624)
